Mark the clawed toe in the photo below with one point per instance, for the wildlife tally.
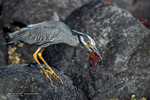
(44, 74)
(54, 75)
(47, 76)
(49, 79)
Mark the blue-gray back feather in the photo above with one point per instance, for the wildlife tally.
(55, 17)
(37, 34)
(45, 33)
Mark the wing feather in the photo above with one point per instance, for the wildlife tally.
(37, 34)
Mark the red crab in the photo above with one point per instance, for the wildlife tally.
(143, 21)
(94, 58)
(108, 0)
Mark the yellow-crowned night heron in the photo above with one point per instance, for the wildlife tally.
(48, 33)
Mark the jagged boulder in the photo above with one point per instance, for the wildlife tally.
(26, 82)
(124, 44)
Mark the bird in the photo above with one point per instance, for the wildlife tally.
(48, 33)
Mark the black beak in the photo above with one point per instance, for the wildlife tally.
(95, 50)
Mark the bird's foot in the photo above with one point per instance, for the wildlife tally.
(47, 76)
(54, 75)
(44, 74)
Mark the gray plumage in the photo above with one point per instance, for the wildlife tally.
(55, 17)
(45, 33)
(52, 32)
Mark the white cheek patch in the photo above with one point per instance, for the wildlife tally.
(82, 40)
(92, 41)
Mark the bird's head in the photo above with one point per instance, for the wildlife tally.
(89, 44)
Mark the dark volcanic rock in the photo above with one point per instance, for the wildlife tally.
(125, 46)
(3, 48)
(34, 11)
(139, 8)
(26, 82)
(8, 97)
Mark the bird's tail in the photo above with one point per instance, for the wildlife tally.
(13, 34)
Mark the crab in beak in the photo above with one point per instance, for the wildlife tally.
(95, 55)
(90, 45)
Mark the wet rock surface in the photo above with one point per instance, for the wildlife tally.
(124, 44)
(26, 82)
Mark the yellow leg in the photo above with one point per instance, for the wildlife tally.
(43, 70)
(50, 70)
